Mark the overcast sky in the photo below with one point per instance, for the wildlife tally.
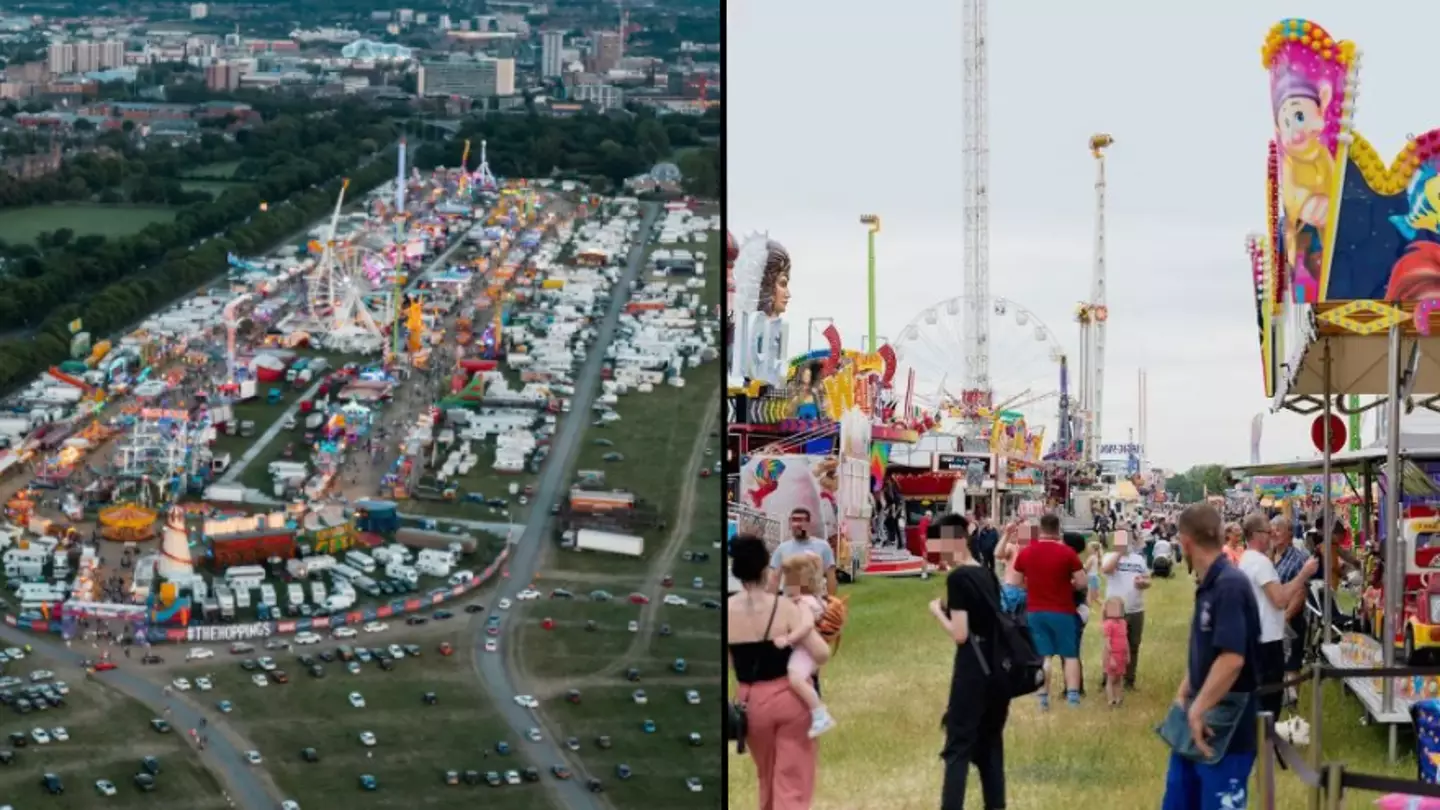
(840, 107)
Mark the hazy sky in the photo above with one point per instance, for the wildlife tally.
(842, 107)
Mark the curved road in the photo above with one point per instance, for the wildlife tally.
(494, 670)
(244, 783)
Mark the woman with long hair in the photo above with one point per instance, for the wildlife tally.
(777, 722)
(974, 721)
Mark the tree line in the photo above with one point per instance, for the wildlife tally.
(112, 283)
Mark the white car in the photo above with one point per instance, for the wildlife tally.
(639, 697)
(693, 783)
(343, 632)
(528, 595)
(181, 684)
(504, 604)
(357, 700)
(259, 680)
(533, 735)
(692, 697)
(676, 601)
(527, 701)
(490, 645)
(634, 626)
(267, 663)
(289, 804)
(40, 736)
(512, 777)
(104, 787)
(376, 627)
(253, 757)
(307, 637)
(204, 684)
(59, 734)
(367, 739)
(196, 653)
(14, 653)
(41, 675)
(396, 651)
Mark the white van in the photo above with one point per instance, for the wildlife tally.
(461, 577)
(197, 653)
(403, 573)
(361, 561)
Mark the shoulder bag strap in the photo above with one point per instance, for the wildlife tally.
(775, 606)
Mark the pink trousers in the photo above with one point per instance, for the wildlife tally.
(777, 738)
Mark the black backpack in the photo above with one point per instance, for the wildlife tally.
(1014, 665)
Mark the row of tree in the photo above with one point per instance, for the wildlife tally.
(111, 283)
(1198, 482)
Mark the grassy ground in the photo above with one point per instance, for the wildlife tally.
(214, 187)
(1094, 756)
(416, 743)
(661, 761)
(24, 224)
(109, 735)
(217, 171)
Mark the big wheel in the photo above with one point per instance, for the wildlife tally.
(1024, 358)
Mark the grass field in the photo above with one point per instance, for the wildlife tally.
(24, 224)
(887, 688)
(661, 761)
(215, 171)
(415, 743)
(215, 187)
(109, 735)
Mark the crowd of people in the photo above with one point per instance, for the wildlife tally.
(1246, 638)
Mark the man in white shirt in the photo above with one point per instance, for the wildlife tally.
(1271, 598)
(1127, 576)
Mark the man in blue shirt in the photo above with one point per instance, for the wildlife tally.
(1224, 643)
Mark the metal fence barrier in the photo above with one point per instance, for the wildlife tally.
(1329, 782)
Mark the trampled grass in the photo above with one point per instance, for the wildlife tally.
(887, 687)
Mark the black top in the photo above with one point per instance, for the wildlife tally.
(965, 589)
(975, 590)
(757, 661)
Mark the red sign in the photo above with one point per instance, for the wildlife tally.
(1337, 433)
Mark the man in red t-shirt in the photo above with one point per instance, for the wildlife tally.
(1053, 572)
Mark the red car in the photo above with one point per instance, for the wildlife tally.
(639, 599)
(492, 630)
(105, 666)
(445, 648)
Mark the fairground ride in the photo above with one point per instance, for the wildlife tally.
(1092, 316)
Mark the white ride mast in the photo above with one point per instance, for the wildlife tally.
(1092, 316)
(324, 289)
(482, 172)
(976, 151)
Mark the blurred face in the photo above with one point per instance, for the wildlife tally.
(1259, 541)
(1279, 537)
(800, 525)
(1232, 537)
(950, 544)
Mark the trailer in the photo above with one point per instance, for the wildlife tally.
(610, 542)
(294, 594)
(420, 538)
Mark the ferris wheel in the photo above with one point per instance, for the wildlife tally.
(1025, 359)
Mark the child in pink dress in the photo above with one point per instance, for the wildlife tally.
(1117, 649)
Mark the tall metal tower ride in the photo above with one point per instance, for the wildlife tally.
(1092, 316)
(976, 149)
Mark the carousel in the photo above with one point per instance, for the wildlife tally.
(127, 523)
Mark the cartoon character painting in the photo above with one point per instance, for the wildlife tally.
(1423, 196)
(1307, 175)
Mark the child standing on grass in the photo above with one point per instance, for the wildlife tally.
(804, 581)
(1117, 649)
(1092, 569)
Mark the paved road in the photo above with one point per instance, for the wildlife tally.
(495, 674)
(246, 787)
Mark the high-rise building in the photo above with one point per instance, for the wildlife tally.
(84, 57)
(607, 52)
(552, 53)
(223, 76)
(604, 96)
(470, 78)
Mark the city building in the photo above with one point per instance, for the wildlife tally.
(473, 78)
(606, 56)
(604, 96)
(223, 76)
(552, 54)
(84, 57)
(199, 11)
(368, 51)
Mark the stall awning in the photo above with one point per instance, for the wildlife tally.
(1414, 447)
